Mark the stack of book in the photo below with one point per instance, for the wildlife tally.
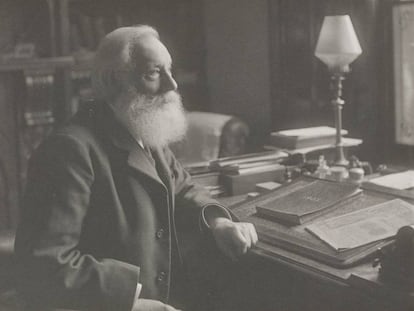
(308, 202)
(240, 174)
(304, 137)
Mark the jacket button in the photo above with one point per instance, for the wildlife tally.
(161, 276)
(160, 233)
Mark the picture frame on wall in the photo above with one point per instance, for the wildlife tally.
(403, 46)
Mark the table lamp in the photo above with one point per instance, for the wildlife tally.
(337, 47)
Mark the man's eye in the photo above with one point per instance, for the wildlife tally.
(152, 74)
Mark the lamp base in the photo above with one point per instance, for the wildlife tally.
(338, 104)
(342, 162)
(340, 159)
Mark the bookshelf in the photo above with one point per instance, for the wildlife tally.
(36, 64)
(44, 86)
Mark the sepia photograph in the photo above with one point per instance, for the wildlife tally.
(206, 155)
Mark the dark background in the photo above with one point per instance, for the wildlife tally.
(249, 58)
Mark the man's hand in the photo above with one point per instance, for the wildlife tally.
(233, 238)
(152, 305)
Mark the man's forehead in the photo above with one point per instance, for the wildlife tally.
(150, 50)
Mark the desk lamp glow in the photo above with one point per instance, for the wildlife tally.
(337, 47)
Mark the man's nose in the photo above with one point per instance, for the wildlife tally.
(168, 83)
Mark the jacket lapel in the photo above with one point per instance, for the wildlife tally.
(163, 169)
(138, 160)
(166, 176)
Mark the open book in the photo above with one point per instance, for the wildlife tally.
(308, 202)
(297, 238)
(364, 226)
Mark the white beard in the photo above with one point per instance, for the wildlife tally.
(155, 120)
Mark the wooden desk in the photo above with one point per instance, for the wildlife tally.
(277, 279)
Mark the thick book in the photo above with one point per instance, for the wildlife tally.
(308, 202)
(304, 137)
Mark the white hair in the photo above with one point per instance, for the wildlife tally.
(114, 59)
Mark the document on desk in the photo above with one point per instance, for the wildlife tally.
(401, 181)
(365, 226)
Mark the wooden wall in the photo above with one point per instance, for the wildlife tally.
(9, 157)
(237, 61)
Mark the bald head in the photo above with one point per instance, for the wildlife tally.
(119, 54)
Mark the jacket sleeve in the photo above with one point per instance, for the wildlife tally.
(191, 199)
(53, 271)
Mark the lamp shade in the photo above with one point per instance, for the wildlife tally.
(337, 44)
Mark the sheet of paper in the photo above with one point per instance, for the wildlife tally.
(403, 180)
(362, 227)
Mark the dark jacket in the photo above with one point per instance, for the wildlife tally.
(100, 215)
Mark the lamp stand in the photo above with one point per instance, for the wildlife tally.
(338, 103)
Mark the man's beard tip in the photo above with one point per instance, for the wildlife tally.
(157, 122)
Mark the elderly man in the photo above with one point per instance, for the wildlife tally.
(106, 202)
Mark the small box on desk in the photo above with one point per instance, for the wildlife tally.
(264, 187)
(244, 183)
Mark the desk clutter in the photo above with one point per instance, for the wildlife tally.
(354, 223)
(286, 152)
(308, 140)
(246, 173)
(240, 174)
